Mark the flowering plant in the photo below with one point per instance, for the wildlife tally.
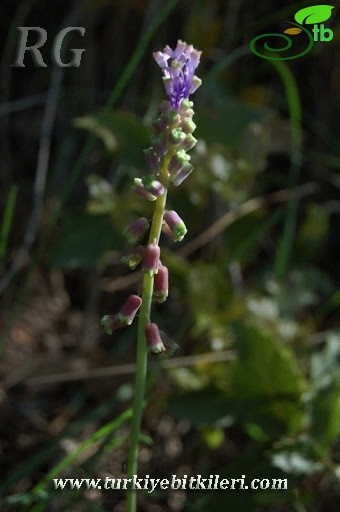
(168, 164)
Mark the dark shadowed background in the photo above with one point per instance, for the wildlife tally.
(254, 287)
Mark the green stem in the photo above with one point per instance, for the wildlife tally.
(143, 319)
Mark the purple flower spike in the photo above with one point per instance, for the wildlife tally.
(178, 68)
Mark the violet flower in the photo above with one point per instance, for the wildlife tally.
(178, 68)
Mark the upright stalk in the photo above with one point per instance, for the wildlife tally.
(168, 163)
(143, 320)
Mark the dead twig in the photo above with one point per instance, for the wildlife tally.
(218, 227)
(128, 369)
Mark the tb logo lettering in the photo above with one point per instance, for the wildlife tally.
(315, 16)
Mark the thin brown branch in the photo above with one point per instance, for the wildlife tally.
(250, 206)
(218, 227)
(128, 369)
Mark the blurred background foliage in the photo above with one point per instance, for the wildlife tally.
(254, 292)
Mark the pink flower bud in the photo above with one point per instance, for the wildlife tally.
(153, 339)
(161, 123)
(176, 225)
(188, 143)
(111, 323)
(195, 83)
(165, 106)
(161, 285)
(168, 85)
(128, 311)
(176, 163)
(152, 160)
(167, 231)
(178, 178)
(139, 188)
(188, 125)
(151, 259)
(136, 230)
(152, 185)
(134, 257)
(174, 118)
(159, 144)
(186, 109)
(177, 136)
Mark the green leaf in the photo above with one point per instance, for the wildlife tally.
(325, 425)
(122, 133)
(313, 14)
(203, 407)
(83, 241)
(228, 124)
(94, 126)
(325, 401)
(266, 382)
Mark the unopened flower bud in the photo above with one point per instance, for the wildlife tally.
(189, 142)
(136, 230)
(161, 123)
(165, 106)
(111, 323)
(177, 136)
(161, 285)
(159, 144)
(174, 118)
(188, 125)
(168, 85)
(195, 83)
(178, 178)
(176, 225)
(167, 231)
(154, 341)
(134, 257)
(139, 188)
(186, 109)
(176, 163)
(151, 259)
(152, 160)
(152, 185)
(128, 311)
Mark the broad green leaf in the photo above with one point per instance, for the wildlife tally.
(266, 381)
(313, 14)
(83, 241)
(325, 401)
(94, 126)
(203, 407)
(228, 124)
(325, 426)
(121, 132)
